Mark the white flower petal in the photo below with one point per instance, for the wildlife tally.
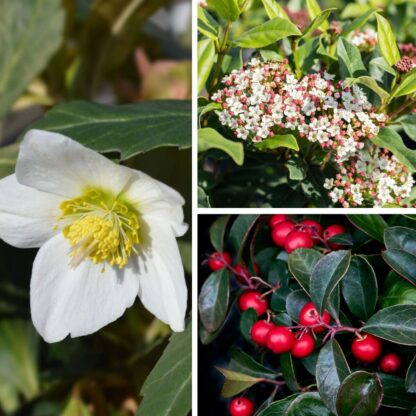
(163, 288)
(54, 163)
(27, 216)
(76, 301)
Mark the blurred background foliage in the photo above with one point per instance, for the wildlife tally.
(110, 52)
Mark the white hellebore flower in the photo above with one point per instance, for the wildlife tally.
(106, 235)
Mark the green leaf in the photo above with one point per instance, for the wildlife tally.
(297, 169)
(248, 318)
(373, 225)
(391, 140)
(410, 382)
(206, 58)
(214, 299)
(409, 125)
(30, 33)
(227, 9)
(126, 129)
(295, 302)
(319, 21)
(360, 394)
(357, 23)
(207, 25)
(217, 232)
(246, 364)
(240, 230)
(267, 33)
(359, 288)
(396, 324)
(387, 41)
(313, 9)
(326, 275)
(331, 370)
(278, 273)
(235, 382)
(288, 371)
(172, 376)
(8, 157)
(278, 299)
(397, 291)
(395, 394)
(209, 138)
(279, 407)
(354, 10)
(407, 86)
(203, 199)
(372, 84)
(76, 407)
(301, 263)
(282, 140)
(342, 239)
(307, 404)
(274, 9)
(349, 57)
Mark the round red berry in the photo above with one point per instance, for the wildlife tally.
(276, 219)
(390, 363)
(367, 348)
(280, 232)
(297, 239)
(218, 260)
(280, 339)
(303, 346)
(241, 406)
(309, 316)
(259, 332)
(253, 299)
(313, 228)
(331, 231)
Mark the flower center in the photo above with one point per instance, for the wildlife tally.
(101, 227)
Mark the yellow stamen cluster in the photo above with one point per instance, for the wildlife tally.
(100, 227)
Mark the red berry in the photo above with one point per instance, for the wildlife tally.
(303, 346)
(367, 348)
(216, 260)
(309, 316)
(280, 339)
(313, 228)
(259, 332)
(276, 219)
(390, 363)
(297, 239)
(280, 232)
(241, 406)
(244, 271)
(253, 299)
(332, 230)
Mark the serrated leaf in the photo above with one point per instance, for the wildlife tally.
(127, 129)
(27, 43)
(172, 375)
(209, 138)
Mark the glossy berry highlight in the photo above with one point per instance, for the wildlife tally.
(241, 406)
(367, 348)
(253, 299)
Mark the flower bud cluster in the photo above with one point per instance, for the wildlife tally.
(365, 40)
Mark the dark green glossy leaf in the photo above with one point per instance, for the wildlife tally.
(331, 370)
(310, 362)
(278, 273)
(214, 299)
(301, 263)
(248, 318)
(295, 302)
(246, 364)
(282, 319)
(172, 375)
(402, 262)
(396, 324)
(217, 232)
(236, 382)
(410, 382)
(373, 225)
(288, 370)
(307, 404)
(326, 275)
(203, 199)
(397, 291)
(359, 288)
(278, 299)
(395, 394)
(360, 394)
(240, 230)
(227, 9)
(279, 407)
(342, 239)
(126, 129)
(349, 58)
(267, 33)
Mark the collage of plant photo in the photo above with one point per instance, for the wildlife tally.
(207, 207)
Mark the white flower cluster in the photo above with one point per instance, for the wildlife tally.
(265, 98)
(366, 40)
(373, 177)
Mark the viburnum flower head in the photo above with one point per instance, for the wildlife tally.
(107, 233)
